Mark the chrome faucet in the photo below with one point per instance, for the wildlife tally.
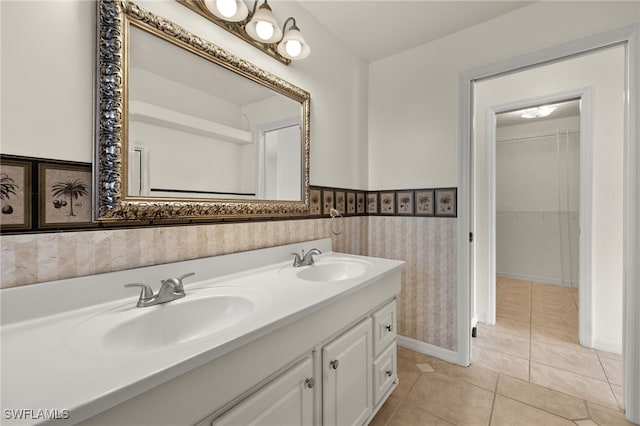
(171, 289)
(307, 259)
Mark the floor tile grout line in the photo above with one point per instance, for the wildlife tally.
(608, 380)
(572, 372)
(493, 402)
(421, 408)
(545, 410)
(403, 398)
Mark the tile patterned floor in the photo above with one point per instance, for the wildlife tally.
(527, 370)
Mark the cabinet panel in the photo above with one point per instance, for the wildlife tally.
(288, 400)
(384, 327)
(385, 372)
(347, 377)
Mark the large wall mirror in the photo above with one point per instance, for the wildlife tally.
(185, 130)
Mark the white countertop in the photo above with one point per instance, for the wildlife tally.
(47, 363)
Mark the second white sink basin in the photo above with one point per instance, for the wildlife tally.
(335, 269)
(202, 312)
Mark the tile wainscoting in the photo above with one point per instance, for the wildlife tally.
(428, 298)
(35, 258)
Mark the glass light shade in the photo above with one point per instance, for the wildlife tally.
(228, 10)
(263, 26)
(293, 45)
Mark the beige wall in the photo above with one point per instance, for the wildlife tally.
(413, 96)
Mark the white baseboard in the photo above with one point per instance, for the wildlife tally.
(428, 349)
(540, 280)
(607, 345)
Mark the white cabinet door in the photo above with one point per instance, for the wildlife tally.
(288, 400)
(347, 377)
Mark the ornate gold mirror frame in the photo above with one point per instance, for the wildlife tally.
(111, 146)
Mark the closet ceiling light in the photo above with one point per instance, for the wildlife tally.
(258, 25)
(538, 112)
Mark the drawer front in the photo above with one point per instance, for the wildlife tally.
(384, 372)
(384, 327)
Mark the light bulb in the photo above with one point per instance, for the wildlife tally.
(293, 47)
(227, 8)
(264, 30)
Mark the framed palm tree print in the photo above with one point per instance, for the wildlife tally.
(446, 202)
(15, 194)
(65, 195)
(424, 202)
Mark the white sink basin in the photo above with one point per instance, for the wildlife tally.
(334, 269)
(202, 312)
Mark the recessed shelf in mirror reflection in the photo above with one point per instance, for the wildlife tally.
(192, 131)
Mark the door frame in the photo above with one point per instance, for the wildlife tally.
(585, 208)
(261, 151)
(629, 37)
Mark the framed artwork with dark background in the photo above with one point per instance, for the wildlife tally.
(15, 194)
(65, 195)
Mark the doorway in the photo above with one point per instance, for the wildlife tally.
(533, 335)
(472, 126)
(538, 194)
(278, 149)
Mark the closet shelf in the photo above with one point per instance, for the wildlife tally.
(143, 112)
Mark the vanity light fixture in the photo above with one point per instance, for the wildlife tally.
(292, 45)
(538, 112)
(262, 26)
(257, 26)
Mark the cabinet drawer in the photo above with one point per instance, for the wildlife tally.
(384, 372)
(384, 327)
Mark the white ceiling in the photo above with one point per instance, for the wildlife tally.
(375, 29)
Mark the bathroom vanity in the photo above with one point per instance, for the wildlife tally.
(254, 341)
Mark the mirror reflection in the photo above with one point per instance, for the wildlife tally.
(198, 130)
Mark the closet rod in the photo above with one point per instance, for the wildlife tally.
(571, 132)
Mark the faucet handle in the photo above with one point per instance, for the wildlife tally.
(181, 277)
(297, 260)
(177, 282)
(146, 292)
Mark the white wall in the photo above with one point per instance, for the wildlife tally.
(47, 83)
(413, 96)
(603, 73)
(537, 201)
